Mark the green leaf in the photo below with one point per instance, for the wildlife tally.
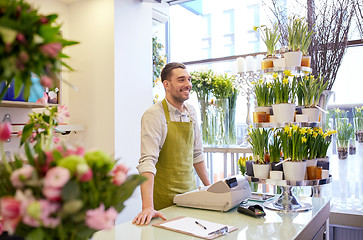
(71, 191)
(49, 33)
(36, 234)
(29, 153)
(67, 66)
(27, 131)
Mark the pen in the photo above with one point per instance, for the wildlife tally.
(200, 225)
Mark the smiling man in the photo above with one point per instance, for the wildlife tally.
(171, 146)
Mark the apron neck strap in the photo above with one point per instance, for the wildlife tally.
(166, 111)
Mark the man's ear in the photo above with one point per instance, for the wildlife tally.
(166, 83)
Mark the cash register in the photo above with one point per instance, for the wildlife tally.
(220, 196)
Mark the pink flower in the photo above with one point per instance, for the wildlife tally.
(63, 114)
(46, 81)
(52, 194)
(20, 38)
(51, 49)
(84, 172)
(5, 130)
(119, 174)
(10, 210)
(79, 151)
(39, 213)
(57, 177)
(9, 207)
(21, 175)
(43, 100)
(100, 219)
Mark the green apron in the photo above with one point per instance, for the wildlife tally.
(175, 164)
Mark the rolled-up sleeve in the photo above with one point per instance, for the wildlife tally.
(198, 155)
(151, 137)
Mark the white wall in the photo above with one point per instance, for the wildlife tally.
(133, 84)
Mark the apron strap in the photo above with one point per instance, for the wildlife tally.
(166, 111)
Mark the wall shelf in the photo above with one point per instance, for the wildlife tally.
(15, 104)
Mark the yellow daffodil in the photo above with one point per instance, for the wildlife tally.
(287, 128)
(275, 75)
(325, 135)
(269, 85)
(295, 127)
(310, 131)
(285, 81)
(253, 83)
(315, 134)
(303, 130)
(255, 28)
(303, 140)
(260, 81)
(287, 73)
(337, 110)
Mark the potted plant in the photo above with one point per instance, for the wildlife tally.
(264, 97)
(284, 92)
(232, 104)
(270, 38)
(294, 148)
(344, 133)
(274, 148)
(295, 31)
(306, 39)
(222, 88)
(258, 138)
(202, 86)
(358, 123)
(309, 90)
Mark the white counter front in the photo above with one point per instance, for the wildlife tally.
(275, 225)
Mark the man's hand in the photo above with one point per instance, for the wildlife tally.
(146, 215)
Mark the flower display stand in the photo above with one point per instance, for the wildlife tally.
(287, 201)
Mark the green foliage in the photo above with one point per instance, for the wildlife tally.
(263, 93)
(258, 138)
(23, 34)
(222, 86)
(309, 90)
(159, 59)
(270, 37)
(202, 82)
(296, 30)
(275, 148)
(284, 87)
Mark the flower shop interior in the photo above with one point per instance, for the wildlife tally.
(237, 54)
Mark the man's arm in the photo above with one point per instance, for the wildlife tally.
(148, 212)
(201, 170)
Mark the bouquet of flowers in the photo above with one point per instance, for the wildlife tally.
(242, 164)
(29, 43)
(60, 191)
(309, 90)
(294, 143)
(202, 83)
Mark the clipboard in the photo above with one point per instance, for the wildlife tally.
(188, 226)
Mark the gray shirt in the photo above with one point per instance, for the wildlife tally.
(154, 130)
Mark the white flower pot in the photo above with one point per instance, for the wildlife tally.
(261, 170)
(293, 59)
(284, 112)
(294, 171)
(276, 175)
(302, 118)
(313, 114)
(264, 109)
(279, 62)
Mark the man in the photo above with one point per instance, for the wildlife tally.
(171, 146)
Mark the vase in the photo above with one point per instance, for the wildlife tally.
(360, 136)
(203, 104)
(222, 113)
(249, 168)
(312, 113)
(305, 61)
(323, 103)
(284, 112)
(294, 171)
(293, 59)
(342, 148)
(261, 170)
(352, 147)
(276, 168)
(310, 163)
(232, 133)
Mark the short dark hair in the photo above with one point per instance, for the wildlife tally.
(165, 73)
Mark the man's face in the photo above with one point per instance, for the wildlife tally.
(179, 85)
